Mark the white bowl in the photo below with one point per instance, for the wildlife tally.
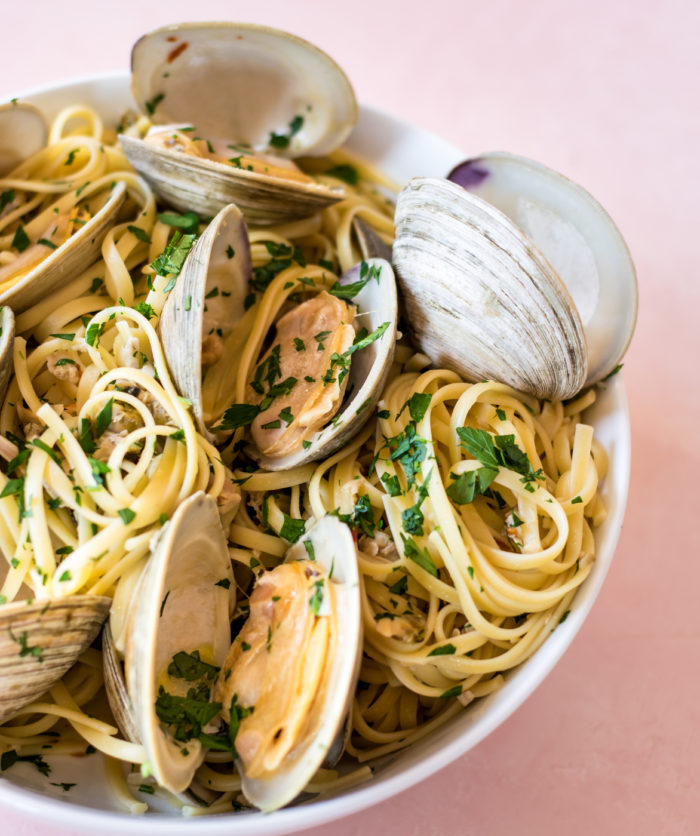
(402, 151)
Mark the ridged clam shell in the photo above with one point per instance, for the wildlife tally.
(377, 303)
(480, 298)
(180, 605)
(194, 184)
(118, 699)
(7, 339)
(73, 256)
(115, 688)
(206, 266)
(578, 238)
(23, 132)
(60, 629)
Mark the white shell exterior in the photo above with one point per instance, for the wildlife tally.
(243, 82)
(7, 340)
(179, 606)
(195, 184)
(369, 369)
(334, 550)
(61, 629)
(578, 238)
(23, 132)
(479, 298)
(206, 266)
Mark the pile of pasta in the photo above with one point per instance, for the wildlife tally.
(470, 553)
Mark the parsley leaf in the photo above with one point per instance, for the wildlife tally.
(190, 667)
(292, 529)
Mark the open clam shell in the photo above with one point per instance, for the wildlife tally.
(115, 688)
(7, 340)
(23, 132)
(281, 776)
(578, 238)
(118, 698)
(40, 641)
(377, 307)
(69, 259)
(244, 82)
(208, 297)
(480, 298)
(253, 88)
(182, 606)
(206, 186)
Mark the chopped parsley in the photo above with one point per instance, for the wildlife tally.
(21, 240)
(188, 223)
(418, 555)
(170, 261)
(345, 172)
(283, 140)
(443, 650)
(316, 599)
(140, 233)
(349, 291)
(292, 529)
(190, 667)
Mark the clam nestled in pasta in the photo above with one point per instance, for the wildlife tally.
(398, 538)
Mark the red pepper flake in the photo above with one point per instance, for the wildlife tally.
(173, 54)
(171, 38)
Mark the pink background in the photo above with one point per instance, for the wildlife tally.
(609, 93)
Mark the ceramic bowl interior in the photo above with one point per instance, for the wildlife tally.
(402, 151)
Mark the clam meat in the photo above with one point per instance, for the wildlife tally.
(290, 674)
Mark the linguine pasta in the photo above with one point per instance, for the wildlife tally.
(472, 505)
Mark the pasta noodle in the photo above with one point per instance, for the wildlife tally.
(470, 551)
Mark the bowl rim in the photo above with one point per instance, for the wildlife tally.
(516, 690)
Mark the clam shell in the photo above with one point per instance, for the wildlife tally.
(115, 687)
(118, 699)
(40, 641)
(371, 245)
(7, 339)
(243, 82)
(578, 238)
(180, 605)
(207, 186)
(369, 369)
(480, 298)
(334, 550)
(23, 132)
(208, 265)
(65, 262)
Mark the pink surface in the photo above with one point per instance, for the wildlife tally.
(608, 93)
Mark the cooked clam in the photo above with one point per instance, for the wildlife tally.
(205, 305)
(244, 90)
(59, 245)
(577, 237)
(177, 637)
(40, 641)
(338, 360)
(480, 298)
(23, 132)
(290, 674)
